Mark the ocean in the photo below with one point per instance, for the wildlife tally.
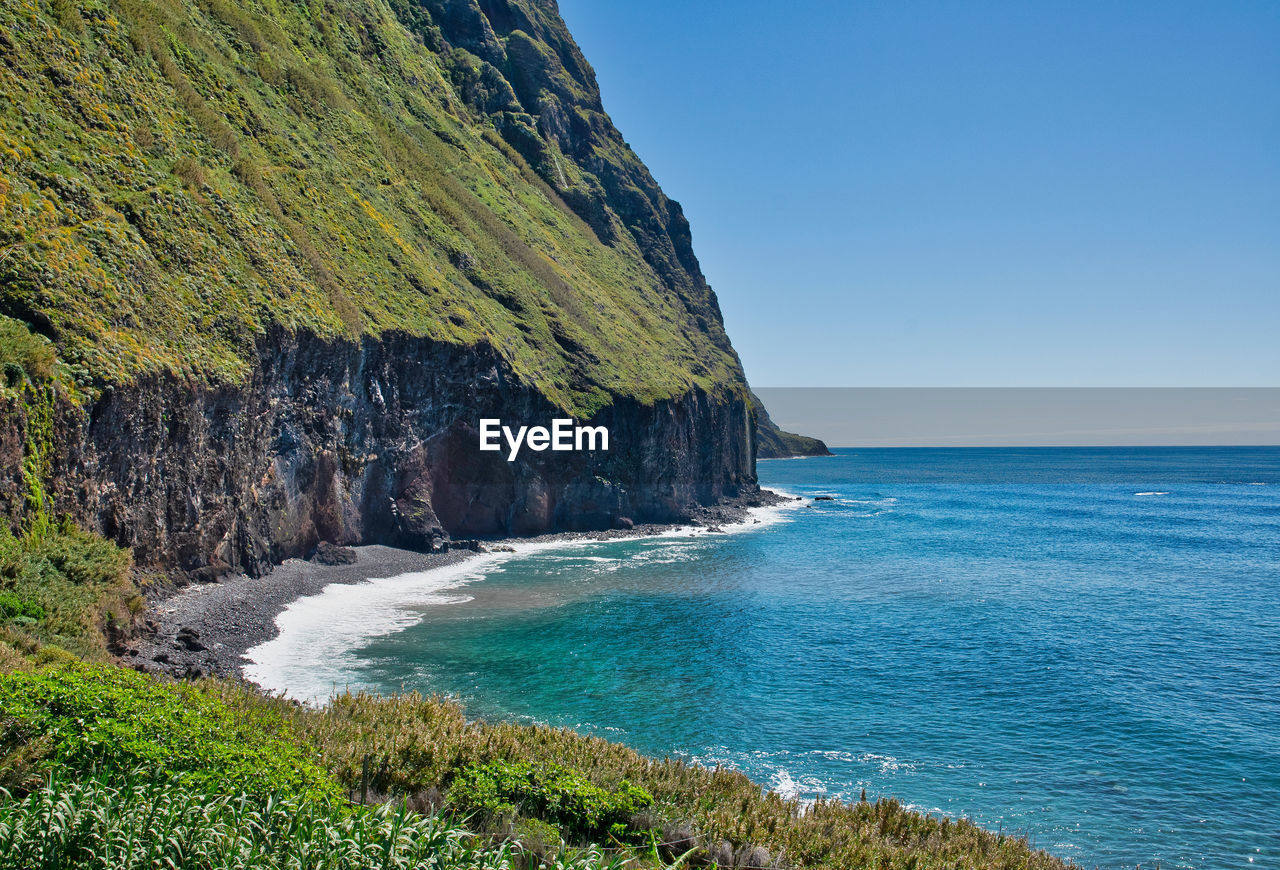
(1080, 645)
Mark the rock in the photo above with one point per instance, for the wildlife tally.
(193, 672)
(189, 640)
(677, 839)
(211, 573)
(331, 554)
(774, 443)
(824, 498)
(162, 658)
(624, 523)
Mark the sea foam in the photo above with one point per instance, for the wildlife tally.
(313, 655)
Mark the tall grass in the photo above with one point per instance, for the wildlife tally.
(422, 746)
(236, 750)
(145, 823)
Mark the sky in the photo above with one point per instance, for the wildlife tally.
(906, 193)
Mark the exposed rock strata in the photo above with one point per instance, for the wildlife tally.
(374, 442)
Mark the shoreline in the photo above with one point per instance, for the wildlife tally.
(205, 629)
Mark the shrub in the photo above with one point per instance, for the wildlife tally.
(13, 607)
(23, 354)
(60, 579)
(564, 797)
(101, 718)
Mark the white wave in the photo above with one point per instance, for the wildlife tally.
(785, 785)
(319, 634)
(794, 458)
(313, 654)
(886, 763)
(1151, 493)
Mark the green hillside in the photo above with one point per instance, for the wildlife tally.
(176, 177)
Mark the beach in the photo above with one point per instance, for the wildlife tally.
(205, 629)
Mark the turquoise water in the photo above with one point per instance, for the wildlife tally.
(1079, 645)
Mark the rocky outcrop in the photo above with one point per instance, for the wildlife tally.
(372, 442)
(774, 443)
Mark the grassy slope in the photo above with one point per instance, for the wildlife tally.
(175, 176)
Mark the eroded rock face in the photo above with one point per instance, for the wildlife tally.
(371, 442)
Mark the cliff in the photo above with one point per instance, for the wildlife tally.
(284, 256)
(774, 443)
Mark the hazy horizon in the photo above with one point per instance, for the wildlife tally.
(868, 417)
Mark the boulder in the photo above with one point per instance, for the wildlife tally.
(332, 554)
(211, 573)
(189, 640)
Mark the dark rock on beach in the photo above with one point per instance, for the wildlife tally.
(189, 639)
(331, 554)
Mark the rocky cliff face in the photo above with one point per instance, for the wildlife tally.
(289, 254)
(368, 442)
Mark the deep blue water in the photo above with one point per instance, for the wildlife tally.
(1079, 645)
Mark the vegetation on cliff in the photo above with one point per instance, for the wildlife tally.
(64, 588)
(178, 176)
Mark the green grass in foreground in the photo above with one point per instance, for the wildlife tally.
(172, 824)
(424, 745)
(87, 718)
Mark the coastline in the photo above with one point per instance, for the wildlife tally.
(206, 629)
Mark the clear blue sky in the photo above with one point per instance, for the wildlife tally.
(905, 193)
